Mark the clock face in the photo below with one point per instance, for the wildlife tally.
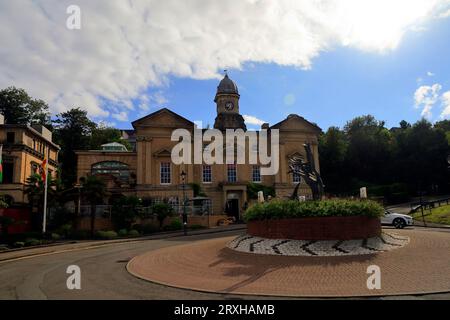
(229, 106)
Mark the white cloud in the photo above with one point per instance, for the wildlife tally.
(121, 116)
(444, 14)
(446, 105)
(124, 47)
(430, 74)
(252, 120)
(426, 97)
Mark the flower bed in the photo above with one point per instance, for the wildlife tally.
(315, 220)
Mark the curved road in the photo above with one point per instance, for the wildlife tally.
(103, 274)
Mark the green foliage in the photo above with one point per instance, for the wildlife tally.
(29, 242)
(134, 233)
(366, 153)
(162, 211)
(122, 233)
(174, 225)
(19, 108)
(282, 209)
(197, 190)
(102, 135)
(106, 235)
(18, 244)
(3, 203)
(72, 132)
(254, 188)
(124, 211)
(55, 236)
(440, 215)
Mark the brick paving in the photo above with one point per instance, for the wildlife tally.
(423, 266)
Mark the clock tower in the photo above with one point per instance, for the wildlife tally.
(227, 101)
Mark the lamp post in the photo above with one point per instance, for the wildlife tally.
(183, 179)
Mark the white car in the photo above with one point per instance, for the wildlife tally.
(399, 221)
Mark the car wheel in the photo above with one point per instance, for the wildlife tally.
(399, 223)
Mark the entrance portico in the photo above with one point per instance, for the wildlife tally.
(235, 197)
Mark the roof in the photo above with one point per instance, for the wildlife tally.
(32, 130)
(296, 116)
(136, 122)
(227, 86)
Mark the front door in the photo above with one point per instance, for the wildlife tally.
(233, 208)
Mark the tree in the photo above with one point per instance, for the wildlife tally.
(101, 135)
(72, 132)
(19, 108)
(125, 211)
(93, 191)
(422, 156)
(370, 147)
(333, 146)
(162, 211)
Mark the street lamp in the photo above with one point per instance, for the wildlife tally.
(183, 179)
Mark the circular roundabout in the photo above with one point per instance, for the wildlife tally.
(419, 264)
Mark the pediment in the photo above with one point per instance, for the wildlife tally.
(162, 153)
(163, 118)
(296, 123)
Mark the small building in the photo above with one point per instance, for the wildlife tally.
(23, 152)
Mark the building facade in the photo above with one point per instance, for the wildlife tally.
(24, 149)
(148, 171)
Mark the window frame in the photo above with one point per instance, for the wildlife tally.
(205, 173)
(232, 167)
(258, 174)
(169, 171)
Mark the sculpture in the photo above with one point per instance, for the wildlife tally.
(307, 171)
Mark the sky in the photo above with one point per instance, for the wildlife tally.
(326, 60)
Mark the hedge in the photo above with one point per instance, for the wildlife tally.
(283, 209)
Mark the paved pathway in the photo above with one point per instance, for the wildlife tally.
(104, 275)
(421, 267)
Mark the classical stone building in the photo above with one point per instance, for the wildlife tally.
(23, 152)
(147, 170)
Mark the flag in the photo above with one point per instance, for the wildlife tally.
(43, 170)
(1, 163)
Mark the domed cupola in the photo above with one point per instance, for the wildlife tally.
(227, 86)
(227, 101)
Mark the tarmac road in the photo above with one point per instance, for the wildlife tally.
(103, 274)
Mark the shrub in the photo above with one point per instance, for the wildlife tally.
(123, 232)
(19, 244)
(134, 233)
(282, 209)
(55, 236)
(32, 242)
(106, 235)
(174, 225)
(162, 211)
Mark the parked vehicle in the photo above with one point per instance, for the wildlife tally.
(397, 220)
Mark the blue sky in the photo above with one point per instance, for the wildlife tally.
(342, 83)
(327, 60)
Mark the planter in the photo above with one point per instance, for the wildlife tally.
(316, 228)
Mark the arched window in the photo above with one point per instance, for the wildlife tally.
(115, 168)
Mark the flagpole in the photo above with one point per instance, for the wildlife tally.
(44, 220)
